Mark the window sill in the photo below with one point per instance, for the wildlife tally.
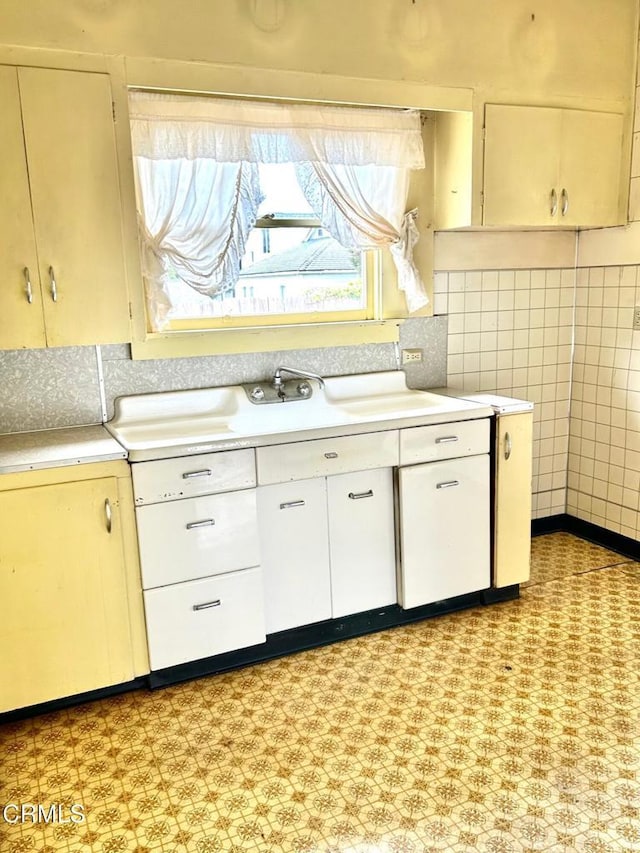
(265, 339)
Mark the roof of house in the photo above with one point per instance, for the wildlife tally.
(315, 255)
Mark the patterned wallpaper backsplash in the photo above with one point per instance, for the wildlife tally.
(43, 389)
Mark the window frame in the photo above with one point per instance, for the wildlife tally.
(209, 79)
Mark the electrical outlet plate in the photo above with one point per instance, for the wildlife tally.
(636, 318)
(411, 356)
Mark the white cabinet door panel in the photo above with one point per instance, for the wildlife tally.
(294, 548)
(197, 537)
(362, 541)
(445, 529)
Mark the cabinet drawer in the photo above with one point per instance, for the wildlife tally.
(444, 441)
(282, 462)
(187, 476)
(204, 618)
(197, 537)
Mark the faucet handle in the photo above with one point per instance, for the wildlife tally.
(304, 389)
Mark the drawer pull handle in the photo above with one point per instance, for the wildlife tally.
(508, 445)
(27, 285)
(188, 475)
(448, 484)
(553, 208)
(290, 504)
(108, 515)
(447, 439)
(564, 195)
(355, 496)
(207, 605)
(207, 522)
(331, 455)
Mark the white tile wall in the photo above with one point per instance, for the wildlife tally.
(604, 444)
(510, 332)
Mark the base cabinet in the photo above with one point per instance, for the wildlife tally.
(512, 499)
(327, 547)
(362, 537)
(294, 548)
(64, 610)
(445, 529)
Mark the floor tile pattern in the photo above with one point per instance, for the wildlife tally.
(510, 728)
(558, 555)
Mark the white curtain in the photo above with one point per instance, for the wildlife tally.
(198, 189)
(231, 131)
(364, 207)
(195, 216)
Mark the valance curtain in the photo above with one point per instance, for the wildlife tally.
(197, 160)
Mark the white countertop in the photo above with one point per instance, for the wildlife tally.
(53, 448)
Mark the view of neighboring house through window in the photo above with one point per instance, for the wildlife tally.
(291, 264)
(255, 213)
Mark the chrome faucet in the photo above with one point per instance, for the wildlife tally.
(304, 374)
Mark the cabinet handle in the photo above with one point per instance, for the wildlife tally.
(27, 285)
(554, 202)
(290, 504)
(331, 455)
(564, 196)
(108, 514)
(447, 439)
(448, 484)
(54, 286)
(357, 495)
(207, 522)
(507, 445)
(205, 472)
(207, 605)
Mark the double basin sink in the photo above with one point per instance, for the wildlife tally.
(161, 424)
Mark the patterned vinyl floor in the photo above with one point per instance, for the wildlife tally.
(514, 727)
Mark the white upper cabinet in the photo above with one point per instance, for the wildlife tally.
(552, 167)
(62, 272)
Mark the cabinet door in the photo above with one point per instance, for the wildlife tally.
(64, 622)
(590, 158)
(70, 145)
(21, 320)
(512, 544)
(362, 541)
(521, 162)
(444, 530)
(294, 549)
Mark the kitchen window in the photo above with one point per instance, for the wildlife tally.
(256, 214)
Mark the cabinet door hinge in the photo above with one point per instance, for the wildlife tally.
(484, 133)
(113, 110)
(130, 312)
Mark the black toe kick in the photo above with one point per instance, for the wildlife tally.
(324, 633)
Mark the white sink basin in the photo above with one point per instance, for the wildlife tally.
(170, 423)
(381, 394)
